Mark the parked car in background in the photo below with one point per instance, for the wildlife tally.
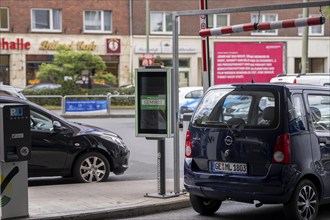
(189, 93)
(56, 86)
(44, 86)
(322, 79)
(273, 148)
(63, 148)
(6, 90)
(187, 107)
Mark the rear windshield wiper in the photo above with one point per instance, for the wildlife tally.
(219, 123)
(234, 127)
(215, 123)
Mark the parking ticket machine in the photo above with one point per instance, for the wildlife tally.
(15, 150)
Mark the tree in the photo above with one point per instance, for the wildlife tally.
(68, 67)
(327, 11)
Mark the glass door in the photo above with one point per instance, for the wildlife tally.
(4, 69)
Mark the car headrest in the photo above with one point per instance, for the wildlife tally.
(269, 113)
(235, 121)
(316, 114)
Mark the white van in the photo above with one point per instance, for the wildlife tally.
(309, 78)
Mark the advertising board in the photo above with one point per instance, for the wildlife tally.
(153, 102)
(237, 62)
(86, 106)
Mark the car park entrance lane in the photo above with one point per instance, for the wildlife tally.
(143, 156)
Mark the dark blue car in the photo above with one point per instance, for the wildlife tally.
(271, 146)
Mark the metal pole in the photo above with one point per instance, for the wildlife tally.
(304, 55)
(175, 109)
(161, 177)
(147, 25)
(131, 41)
(205, 48)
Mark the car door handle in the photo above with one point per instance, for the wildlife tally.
(324, 142)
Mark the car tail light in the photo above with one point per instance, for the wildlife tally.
(188, 145)
(282, 150)
(295, 81)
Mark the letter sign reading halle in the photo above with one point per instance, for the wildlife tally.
(19, 44)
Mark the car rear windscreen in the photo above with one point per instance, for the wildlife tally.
(223, 107)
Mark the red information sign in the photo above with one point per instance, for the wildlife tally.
(236, 62)
(148, 59)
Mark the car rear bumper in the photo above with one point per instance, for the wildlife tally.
(274, 188)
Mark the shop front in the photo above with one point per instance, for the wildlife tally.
(22, 55)
(160, 52)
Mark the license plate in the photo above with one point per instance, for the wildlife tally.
(232, 168)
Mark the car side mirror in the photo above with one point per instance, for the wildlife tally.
(57, 126)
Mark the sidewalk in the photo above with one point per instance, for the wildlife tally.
(106, 200)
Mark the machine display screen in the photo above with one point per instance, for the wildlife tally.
(16, 112)
(152, 103)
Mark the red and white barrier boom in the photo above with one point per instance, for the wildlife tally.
(301, 22)
(228, 29)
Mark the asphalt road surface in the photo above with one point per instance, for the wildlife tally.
(143, 158)
(233, 211)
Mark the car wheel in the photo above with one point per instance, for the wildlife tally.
(204, 206)
(304, 202)
(91, 167)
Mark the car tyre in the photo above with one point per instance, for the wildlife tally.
(304, 202)
(91, 167)
(204, 206)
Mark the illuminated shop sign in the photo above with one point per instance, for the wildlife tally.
(18, 44)
(80, 45)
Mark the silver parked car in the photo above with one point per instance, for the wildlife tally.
(6, 90)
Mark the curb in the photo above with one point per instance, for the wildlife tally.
(125, 212)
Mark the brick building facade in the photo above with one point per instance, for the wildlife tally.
(46, 24)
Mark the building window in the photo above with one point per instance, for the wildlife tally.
(4, 19)
(46, 20)
(97, 21)
(4, 69)
(317, 30)
(160, 23)
(220, 20)
(32, 67)
(258, 18)
(315, 65)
